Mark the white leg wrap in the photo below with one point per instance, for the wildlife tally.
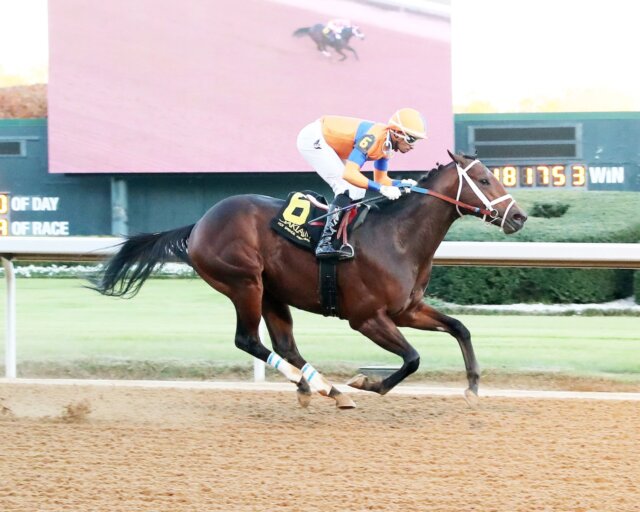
(287, 369)
(316, 380)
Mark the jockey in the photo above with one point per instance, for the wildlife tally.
(337, 147)
(333, 29)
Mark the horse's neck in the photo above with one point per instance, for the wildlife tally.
(419, 227)
(424, 226)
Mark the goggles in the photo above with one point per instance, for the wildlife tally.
(409, 139)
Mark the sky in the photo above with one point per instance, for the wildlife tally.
(507, 55)
(23, 42)
(514, 54)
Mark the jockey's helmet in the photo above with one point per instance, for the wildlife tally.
(341, 22)
(410, 122)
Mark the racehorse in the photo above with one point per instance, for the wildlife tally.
(233, 248)
(316, 33)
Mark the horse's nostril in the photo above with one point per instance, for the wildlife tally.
(520, 217)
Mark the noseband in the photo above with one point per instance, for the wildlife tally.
(492, 212)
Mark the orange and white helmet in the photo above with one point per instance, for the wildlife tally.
(409, 122)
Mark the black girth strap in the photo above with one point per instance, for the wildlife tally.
(328, 284)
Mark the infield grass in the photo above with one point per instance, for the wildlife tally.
(185, 320)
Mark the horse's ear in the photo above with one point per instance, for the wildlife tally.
(453, 157)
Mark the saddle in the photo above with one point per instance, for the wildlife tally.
(296, 222)
(293, 220)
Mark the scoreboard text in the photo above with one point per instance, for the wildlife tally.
(34, 216)
(544, 175)
(4, 214)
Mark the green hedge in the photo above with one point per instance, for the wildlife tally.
(590, 217)
(503, 285)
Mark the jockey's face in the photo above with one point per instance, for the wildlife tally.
(401, 142)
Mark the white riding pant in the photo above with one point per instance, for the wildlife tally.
(325, 161)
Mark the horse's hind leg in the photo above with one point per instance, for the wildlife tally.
(323, 49)
(247, 302)
(277, 316)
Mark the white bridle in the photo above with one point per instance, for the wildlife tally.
(462, 174)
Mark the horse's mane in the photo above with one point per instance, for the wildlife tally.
(431, 175)
(424, 181)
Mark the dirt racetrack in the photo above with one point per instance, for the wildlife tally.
(83, 448)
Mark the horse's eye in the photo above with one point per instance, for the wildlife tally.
(484, 181)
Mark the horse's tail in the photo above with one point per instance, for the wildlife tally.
(302, 31)
(124, 273)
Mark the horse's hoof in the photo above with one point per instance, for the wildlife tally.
(304, 398)
(471, 398)
(358, 382)
(344, 402)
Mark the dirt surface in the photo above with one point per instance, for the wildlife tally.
(82, 448)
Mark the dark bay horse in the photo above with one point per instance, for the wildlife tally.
(316, 33)
(233, 249)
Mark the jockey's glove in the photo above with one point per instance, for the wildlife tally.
(408, 183)
(390, 192)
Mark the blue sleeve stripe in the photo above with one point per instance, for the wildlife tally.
(373, 186)
(381, 164)
(356, 155)
(362, 130)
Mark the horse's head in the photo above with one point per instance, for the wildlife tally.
(352, 30)
(477, 186)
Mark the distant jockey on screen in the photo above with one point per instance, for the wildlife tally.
(333, 28)
(337, 147)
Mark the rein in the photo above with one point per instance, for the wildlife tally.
(487, 211)
(474, 209)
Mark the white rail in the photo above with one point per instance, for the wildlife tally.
(505, 254)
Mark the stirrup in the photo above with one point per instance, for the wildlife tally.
(346, 252)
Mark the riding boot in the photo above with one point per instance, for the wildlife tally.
(326, 248)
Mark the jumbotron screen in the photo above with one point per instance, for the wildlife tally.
(155, 86)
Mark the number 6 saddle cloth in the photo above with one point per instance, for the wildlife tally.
(293, 220)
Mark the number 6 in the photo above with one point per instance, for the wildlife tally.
(298, 201)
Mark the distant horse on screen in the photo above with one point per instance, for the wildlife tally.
(316, 33)
(233, 248)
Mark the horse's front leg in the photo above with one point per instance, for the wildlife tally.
(355, 54)
(429, 319)
(382, 331)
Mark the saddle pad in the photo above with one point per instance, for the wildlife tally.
(292, 220)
